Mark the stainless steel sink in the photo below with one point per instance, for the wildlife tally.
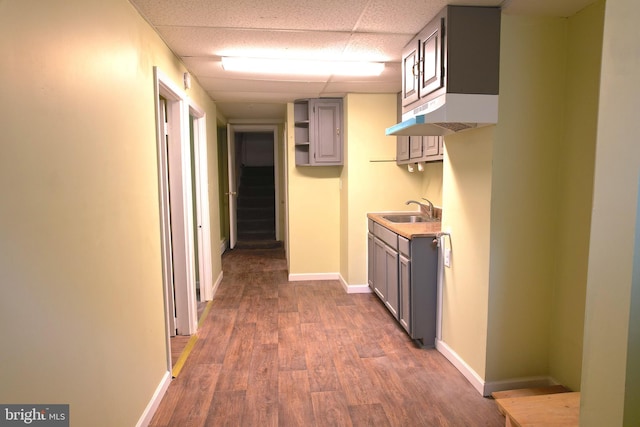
(408, 218)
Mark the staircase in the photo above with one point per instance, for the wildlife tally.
(256, 207)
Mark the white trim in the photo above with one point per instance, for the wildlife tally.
(302, 277)
(223, 245)
(178, 251)
(201, 174)
(152, 406)
(235, 127)
(216, 285)
(486, 388)
(461, 365)
(354, 289)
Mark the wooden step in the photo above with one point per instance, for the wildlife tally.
(556, 409)
(521, 392)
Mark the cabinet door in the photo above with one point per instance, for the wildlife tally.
(431, 146)
(402, 149)
(391, 267)
(379, 268)
(410, 71)
(431, 52)
(370, 261)
(404, 277)
(415, 147)
(327, 141)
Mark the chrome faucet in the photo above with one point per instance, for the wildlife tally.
(426, 209)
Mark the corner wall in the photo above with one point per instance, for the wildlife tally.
(314, 214)
(525, 196)
(576, 157)
(371, 180)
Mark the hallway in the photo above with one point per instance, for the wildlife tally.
(277, 353)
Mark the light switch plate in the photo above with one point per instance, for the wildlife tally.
(447, 257)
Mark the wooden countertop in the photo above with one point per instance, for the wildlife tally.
(407, 229)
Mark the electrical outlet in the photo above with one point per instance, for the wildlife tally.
(447, 257)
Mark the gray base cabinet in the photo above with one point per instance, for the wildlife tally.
(403, 274)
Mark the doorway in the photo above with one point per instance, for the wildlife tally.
(253, 176)
(184, 208)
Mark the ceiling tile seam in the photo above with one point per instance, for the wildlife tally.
(287, 30)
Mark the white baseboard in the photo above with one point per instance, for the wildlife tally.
(313, 276)
(354, 289)
(153, 404)
(461, 365)
(216, 285)
(486, 388)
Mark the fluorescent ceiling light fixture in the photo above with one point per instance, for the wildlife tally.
(301, 66)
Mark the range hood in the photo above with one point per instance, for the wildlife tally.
(448, 113)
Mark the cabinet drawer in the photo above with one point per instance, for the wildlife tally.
(403, 246)
(386, 235)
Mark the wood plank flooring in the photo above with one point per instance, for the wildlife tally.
(277, 353)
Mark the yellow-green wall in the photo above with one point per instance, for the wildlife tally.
(82, 315)
(524, 215)
(466, 215)
(517, 200)
(314, 213)
(610, 392)
(328, 205)
(371, 180)
(576, 156)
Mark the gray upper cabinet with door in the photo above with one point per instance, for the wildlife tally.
(456, 52)
(417, 149)
(318, 132)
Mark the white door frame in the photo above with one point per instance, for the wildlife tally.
(203, 219)
(174, 175)
(231, 130)
(232, 190)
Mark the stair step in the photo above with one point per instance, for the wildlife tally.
(257, 170)
(257, 235)
(257, 180)
(522, 392)
(255, 202)
(267, 224)
(256, 192)
(534, 407)
(258, 244)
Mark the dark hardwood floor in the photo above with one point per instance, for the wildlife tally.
(277, 353)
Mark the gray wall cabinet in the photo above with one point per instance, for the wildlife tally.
(318, 132)
(417, 149)
(458, 51)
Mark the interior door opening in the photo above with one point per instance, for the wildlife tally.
(184, 208)
(253, 187)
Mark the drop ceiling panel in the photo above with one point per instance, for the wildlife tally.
(317, 15)
(362, 87)
(189, 41)
(242, 110)
(376, 47)
(232, 85)
(408, 16)
(200, 31)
